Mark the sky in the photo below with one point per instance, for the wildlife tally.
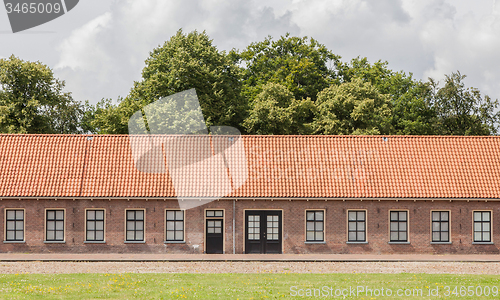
(99, 47)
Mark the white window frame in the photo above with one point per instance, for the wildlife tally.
(175, 241)
(490, 231)
(46, 223)
(104, 226)
(324, 226)
(143, 226)
(407, 226)
(365, 230)
(6, 229)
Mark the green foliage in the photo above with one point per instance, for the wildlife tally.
(354, 107)
(33, 101)
(184, 62)
(302, 65)
(276, 111)
(463, 111)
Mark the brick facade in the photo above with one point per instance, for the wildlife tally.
(293, 235)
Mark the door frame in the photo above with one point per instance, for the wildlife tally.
(223, 228)
(282, 226)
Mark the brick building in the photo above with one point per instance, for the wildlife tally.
(302, 194)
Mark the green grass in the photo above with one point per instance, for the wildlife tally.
(232, 286)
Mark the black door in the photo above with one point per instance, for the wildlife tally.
(263, 231)
(214, 233)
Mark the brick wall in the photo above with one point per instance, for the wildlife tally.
(293, 226)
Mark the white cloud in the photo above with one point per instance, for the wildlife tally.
(429, 38)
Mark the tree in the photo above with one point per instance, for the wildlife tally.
(463, 111)
(276, 111)
(302, 65)
(354, 107)
(184, 62)
(33, 101)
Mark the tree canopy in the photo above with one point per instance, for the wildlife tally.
(33, 101)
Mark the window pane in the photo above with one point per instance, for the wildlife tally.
(269, 224)
(99, 225)
(218, 213)
(170, 235)
(179, 235)
(435, 216)
(310, 235)
(402, 215)
(130, 215)
(170, 225)
(477, 216)
(257, 218)
(361, 236)
(402, 226)
(59, 225)
(51, 225)
(319, 226)
(394, 236)
(179, 225)
(139, 225)
(59, 214)
(19, 214)
(217, 223)
(139, 235)
(210, 230)
(50, 235)
(444, 236)
(90, 235)
(436, 226)
(477, 236)
(486, 236)
(436, 236)
(51, 214)
(352, 216)
(19, 235)
(486, 226)
(319, 236)
(210, 223)
(130, 235)
(10, 235)
(275, 224)
(59, 235)
(179, 215)
(90, 225)
(444, 216)
(477, 226)
(10, 225)
(99, 215)
(361, 215)
(139, 215)
(352, 225)
(99, 235)
(90, 214)
(402, 236)
(444, 226)
(486, 216)
(394, 215)
(250, 218)
(130, 225)
(250, 230)
(170, 214)
(210, 213)
(394, 226)
(275, 218)
(319, 216)
(11, 214)
(352, 236)
(361, 225)
(218, 230)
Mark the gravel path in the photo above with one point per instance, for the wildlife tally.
(249, 267)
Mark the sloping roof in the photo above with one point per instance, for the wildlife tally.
(276, 166)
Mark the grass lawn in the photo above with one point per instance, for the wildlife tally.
(246, 286)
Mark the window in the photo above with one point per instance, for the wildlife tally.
(399, 226)
(254, 227)
(440, 226)
(356, 226)
(214, 213)
(95, 225)
(55, 225)
(315, 226)
(175, 225)
(14, 228)
(135, 225)
(482, 226)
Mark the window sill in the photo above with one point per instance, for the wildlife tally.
(442, 243)
(14, 242)
(94, 242)
(174, 242)
(483, 243)
(54, 242)
(135, 242)
(353, 242)
(314, 242)
(401, 243)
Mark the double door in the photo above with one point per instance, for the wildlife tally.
(263, 231)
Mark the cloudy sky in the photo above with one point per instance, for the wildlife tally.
(100, 46)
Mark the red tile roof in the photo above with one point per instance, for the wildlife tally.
(278, 166)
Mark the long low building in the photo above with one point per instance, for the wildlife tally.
(249, 194)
